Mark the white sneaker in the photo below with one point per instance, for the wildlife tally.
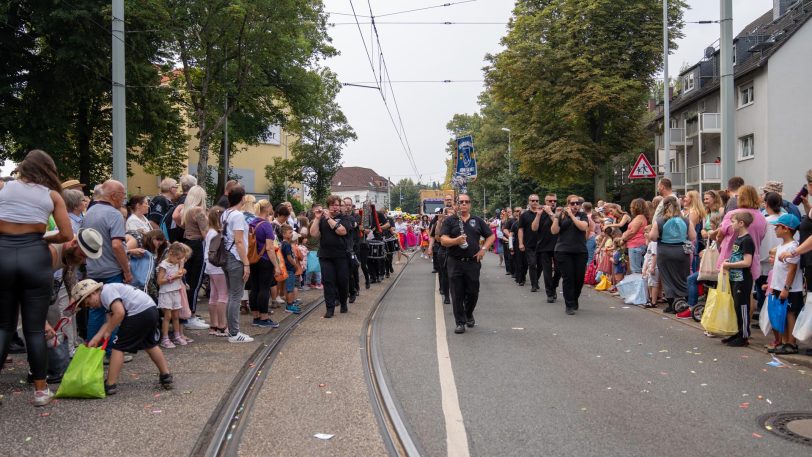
(43, 397)
(240, 337)
(196, 323)
(280, 300)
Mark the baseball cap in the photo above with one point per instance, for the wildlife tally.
(787, 220)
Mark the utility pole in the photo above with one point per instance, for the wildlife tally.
(225, 145)
(119, 96)
(666, 95)
(510, 171)
(726, 90)
(389, 193)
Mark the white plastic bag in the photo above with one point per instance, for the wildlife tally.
(764, 319)
(803, 324)
(633, 289)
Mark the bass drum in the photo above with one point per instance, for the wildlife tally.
(392, 244)
(376, 249)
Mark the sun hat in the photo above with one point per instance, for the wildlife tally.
(787, 220)
(90, 241)
(773, 186)
(71, 183)
(83, 289)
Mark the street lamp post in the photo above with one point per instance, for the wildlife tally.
(510, 170)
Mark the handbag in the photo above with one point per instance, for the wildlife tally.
(604, 284)
(707, 266)
(777, 310)
(803, 323)
(58, 352)
(84, 377)
(719, 316)
(590, 278)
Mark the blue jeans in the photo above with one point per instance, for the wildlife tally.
(97, 316)
(590, 249)
(636, 258)
(693, 289)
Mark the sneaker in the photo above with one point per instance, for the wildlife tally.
(196, 323)
(738, 343)
(167, 344)
(293, 309)
(42, 397)
(240, 337)
(266, 323)
(165, 380)
(110, 389)
(280, 300)
(729, 339)
(319, 287)
(255, 322)
(687, 314)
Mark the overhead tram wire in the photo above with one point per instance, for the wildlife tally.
(422, 23)
(405, 11)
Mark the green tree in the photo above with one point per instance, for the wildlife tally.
(406, 195)
(57, 91)
(322, 136)
(574, 78)
(280, 174)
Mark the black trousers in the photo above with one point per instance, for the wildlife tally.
(261, 281)
(520, 267)
(552, 275)
(354, 285)
(533, 259)
(741, 291)
(508, 258)
(363, 258)
(335, 277)
(194, 272)
(435, 248)
(463, 278)
(572, 266)
(442, 270)
(26, 282)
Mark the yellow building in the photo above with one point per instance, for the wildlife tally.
(247, 161)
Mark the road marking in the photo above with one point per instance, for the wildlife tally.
(456, 438)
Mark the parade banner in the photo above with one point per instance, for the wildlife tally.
(466, 157)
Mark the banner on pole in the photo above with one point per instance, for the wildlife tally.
(642, 169)
(466, 157)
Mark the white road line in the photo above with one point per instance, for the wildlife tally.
(456, 437)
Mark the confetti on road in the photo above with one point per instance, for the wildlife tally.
(157, 395)
(27, 439)
(776, 363)
(768, 401)
(322, 385)
(517, 328)
(44, 414)
(328, 392)
(323, 436)
(744, 405)
(156, 411)
(703, 385)
(663, 350)
(756, 435)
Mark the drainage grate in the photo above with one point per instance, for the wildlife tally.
(795, 426)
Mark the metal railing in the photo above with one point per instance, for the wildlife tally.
(711, 121)
(677, 135)
(707, 173)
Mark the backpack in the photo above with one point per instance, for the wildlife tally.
(166, 222)
(218, 253)
(674, 231)
(253, 254)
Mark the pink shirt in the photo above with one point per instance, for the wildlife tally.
(756, 230)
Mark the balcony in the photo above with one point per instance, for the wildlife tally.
(706, 173)
(677, 138)
(677, 177)
(705, 123)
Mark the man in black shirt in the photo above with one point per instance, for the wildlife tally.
(545, 249)
(461, 234)
(332, 229)
(528, 239)
(353, 246)
(516, 259)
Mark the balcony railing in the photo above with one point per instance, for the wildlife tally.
(710, 173)
(705, 123)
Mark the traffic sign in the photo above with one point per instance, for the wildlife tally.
(642, 169)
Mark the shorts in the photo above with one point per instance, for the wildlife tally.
(138, 332)
(218, 290)
(653, 278)
(795, 301)
(290, 283)
(169, 300)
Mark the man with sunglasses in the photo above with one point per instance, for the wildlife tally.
(519, 267)
(545, 249)
(529, 238)
(463, 263)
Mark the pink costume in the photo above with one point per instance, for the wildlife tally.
(756, 230)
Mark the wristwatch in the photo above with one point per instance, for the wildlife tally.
(787, 288)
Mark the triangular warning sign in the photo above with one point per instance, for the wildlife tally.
(642, 169)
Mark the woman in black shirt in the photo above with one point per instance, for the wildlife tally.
(332, 228)
(571, 226)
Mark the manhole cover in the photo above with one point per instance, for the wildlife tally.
(793, 426)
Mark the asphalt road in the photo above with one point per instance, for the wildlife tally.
(614, 380)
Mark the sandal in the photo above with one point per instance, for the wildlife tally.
(786, 349)
(649, 305)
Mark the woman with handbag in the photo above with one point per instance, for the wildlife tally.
(673, 234)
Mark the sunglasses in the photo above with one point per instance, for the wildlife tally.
(575, 203)
(550, 201)
(532, 200)
(465, 202)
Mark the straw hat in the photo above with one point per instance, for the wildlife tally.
(90, 241)
(83, 289)
(71, 183)
(773, 186)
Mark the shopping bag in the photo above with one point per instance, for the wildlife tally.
(313, 265)
(719, 316)
(707, 266)
(777, 309)
(185, 310)
(84, 377)
(604, 284)
(591, 273)
(58, 351)
(764, 319)
(803, 323)
(633, 289)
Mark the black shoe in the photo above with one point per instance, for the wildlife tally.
(434, 271)
(570, 311)
(352, 298)
(387, 274)
(670, 310)
(551, 299)
(729, 339)
(165, 380)
(366, 285)
(508, 273)
(521, 283)
(738, 343)
(534, 289)
(446, 300)
(110, 389)
(328, 314)
(343, 310)
(460, 329)
(470, 323)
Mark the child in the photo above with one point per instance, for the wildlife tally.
(650, 271)
(618, 263)
(424, 242)
(218, 290)
(170, 283)
(291, 264)
(607, 252)
(741, 279)
(768, 290)
(313, 271)
(135, 315)
(301, 254)
(787, 282)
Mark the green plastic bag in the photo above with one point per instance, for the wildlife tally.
(719, 316)
(84, 377)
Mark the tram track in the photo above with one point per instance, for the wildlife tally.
(221, 435)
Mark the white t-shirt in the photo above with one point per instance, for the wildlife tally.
(235, 221)
(400, 227)
(135, 301)
(210, 269)
(138, 224)
(781, 269)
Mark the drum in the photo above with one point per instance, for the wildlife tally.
(376, 249)
(392, 244)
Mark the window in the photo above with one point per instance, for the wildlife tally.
(746, 147)
(746, 95)
(688, 82)
(734, 54)
(673, 123)
(357, 198)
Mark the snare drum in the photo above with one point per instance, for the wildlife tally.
(392, 244)
(376, 249)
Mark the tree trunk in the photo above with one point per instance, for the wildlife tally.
(221, 171)
(599, 183)
(83, 130)
(203, 160)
